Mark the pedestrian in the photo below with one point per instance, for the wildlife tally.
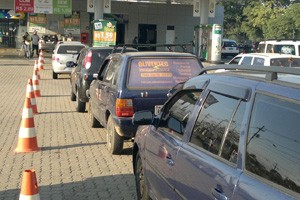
(135, 42)
(27, 45)
(35, 43)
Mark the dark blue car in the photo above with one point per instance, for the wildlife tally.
(131, 82)
(228, 135)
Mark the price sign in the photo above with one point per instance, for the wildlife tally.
(104, 33)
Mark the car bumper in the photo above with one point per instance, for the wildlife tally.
(61, 68)
(124, 127)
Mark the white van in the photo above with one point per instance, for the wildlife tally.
(279, 46)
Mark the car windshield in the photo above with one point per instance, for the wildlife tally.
(70, 49)
(161, 73)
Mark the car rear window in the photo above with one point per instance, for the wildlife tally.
(285, 62)
(161, 73)
(69, 49)
(230, 44)
(98, 57)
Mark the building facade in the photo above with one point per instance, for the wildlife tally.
(150, 22)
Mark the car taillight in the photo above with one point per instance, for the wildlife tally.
(88, 60)
(55, 58)
(124, 108)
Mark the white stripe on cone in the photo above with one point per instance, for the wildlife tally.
(27, 132)
(29, 197)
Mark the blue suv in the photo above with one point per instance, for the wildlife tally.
(233, 135)
(134, 81)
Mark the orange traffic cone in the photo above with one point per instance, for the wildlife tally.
(30, 94)
(41, 61)
(29, 187)
(36, 87)
(27, 137)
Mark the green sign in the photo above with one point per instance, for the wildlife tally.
(62, 7)
(104, 33)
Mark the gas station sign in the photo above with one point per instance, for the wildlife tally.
(104, 33)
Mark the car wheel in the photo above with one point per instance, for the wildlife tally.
(140, 180)
(54, 75)
(94, 123)
(80, 106)
(73, 96)
(114, 141)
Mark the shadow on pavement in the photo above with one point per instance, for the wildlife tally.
(70, 146)
(90, 188)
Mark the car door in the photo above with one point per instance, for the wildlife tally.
(164, 142)
(272, 161)
(206, 166)
(96, 89)
(107, 89)
(76, 73)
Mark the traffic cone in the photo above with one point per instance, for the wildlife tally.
(30, 94)
(41, 61)
(36, 87)
(27, 141)
(29, 187)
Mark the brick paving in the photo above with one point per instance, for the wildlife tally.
(74, 162)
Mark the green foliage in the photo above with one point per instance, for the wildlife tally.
(261, 19)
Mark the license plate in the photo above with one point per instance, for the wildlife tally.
(157, 109)
(230, 48)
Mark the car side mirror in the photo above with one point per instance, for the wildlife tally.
(142, 118)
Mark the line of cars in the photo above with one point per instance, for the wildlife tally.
(227, 135)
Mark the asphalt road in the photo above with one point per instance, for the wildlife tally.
(73, 162)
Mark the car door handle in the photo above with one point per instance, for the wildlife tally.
(218, 194)
(169, 159)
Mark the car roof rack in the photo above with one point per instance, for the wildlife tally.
(271, 72)
(169, 46)
(278, 40)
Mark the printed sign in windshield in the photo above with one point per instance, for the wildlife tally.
(161, 73)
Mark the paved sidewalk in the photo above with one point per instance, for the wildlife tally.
(73, 162)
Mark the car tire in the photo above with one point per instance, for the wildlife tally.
(80, 106)
(140, 180)
(94, 123)
(114, 141)
(54, 75)
(72, 95)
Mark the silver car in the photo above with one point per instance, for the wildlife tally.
(64, 52)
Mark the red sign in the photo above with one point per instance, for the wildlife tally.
(24, 6)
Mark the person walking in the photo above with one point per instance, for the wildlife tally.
(35, 43)
(27, 45)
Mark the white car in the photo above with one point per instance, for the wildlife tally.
(266, 59)
(280, 46)
(62, 53)
(229, 48)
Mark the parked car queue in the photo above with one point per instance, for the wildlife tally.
(226, 135)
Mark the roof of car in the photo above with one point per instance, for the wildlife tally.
(290, 75)
(270, 55)
(70, 43)
(157, 53)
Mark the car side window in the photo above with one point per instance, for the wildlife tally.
(258, 61)
(210, 131)
(247, 60)
(81, 57)
(236, 60)
(273, 141)
(103, 69)
(112, 68)
(177, 113)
